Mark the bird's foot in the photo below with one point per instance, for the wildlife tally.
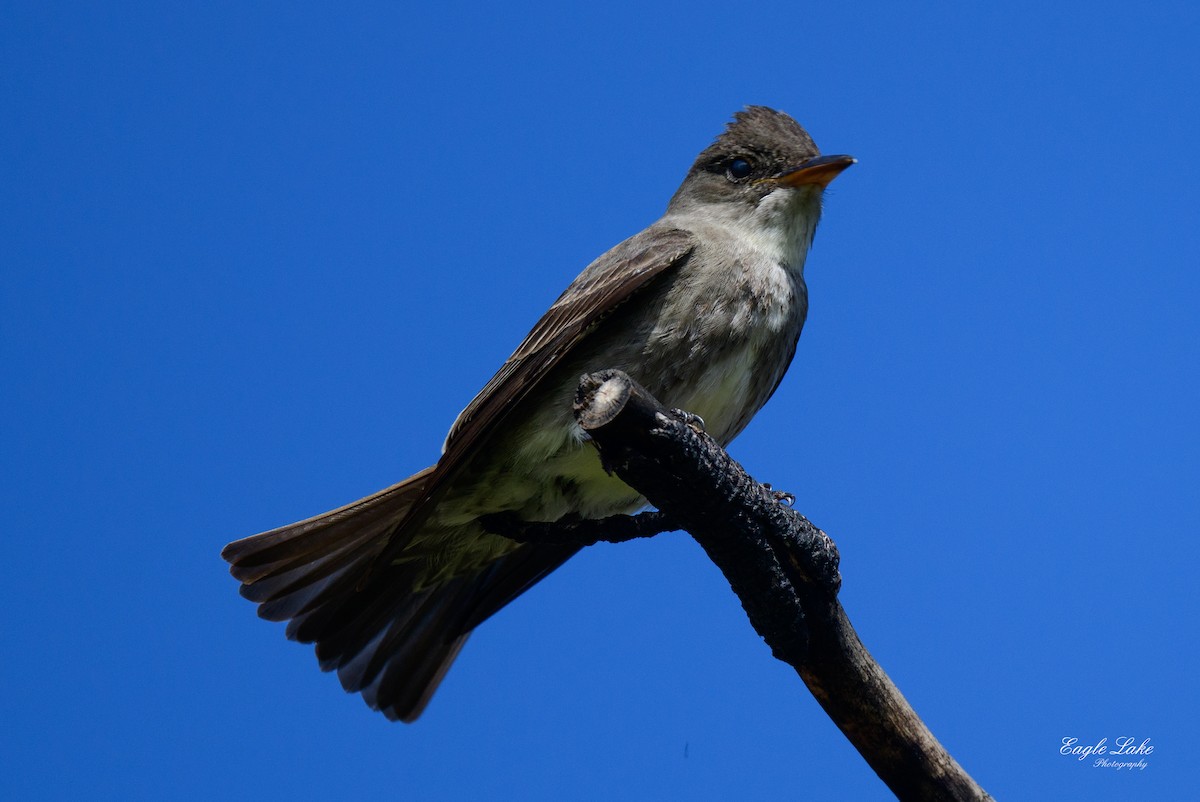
(782, 496)
(689, 418)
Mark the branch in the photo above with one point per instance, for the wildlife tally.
(783, 569)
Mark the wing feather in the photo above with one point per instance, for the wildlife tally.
(603, 286)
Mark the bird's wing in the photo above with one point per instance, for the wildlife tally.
(603, 286)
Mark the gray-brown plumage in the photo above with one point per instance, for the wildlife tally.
(704, 308)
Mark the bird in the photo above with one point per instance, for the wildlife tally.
(704, 308)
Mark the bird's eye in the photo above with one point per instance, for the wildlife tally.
(738, 169)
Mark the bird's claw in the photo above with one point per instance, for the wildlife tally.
(689, 418)
(782, 496)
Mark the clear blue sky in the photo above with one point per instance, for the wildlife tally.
(254, 260)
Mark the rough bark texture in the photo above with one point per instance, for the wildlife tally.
(782, 568)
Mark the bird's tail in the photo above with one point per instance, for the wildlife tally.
(388, 633)
(295, 569)
(309, 574)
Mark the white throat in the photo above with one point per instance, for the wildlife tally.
(779, 229)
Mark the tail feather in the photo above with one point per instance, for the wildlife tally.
(388, 635)
(345, 546)
(363, 623)
(404, 645)
(359, 667)
(400, 677)
(289, 578)
(298, 544)
(310, 593)
(402, 699)
(408, 710)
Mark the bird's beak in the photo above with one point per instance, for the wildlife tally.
(819, 171)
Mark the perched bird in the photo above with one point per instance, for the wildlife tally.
(703, 308)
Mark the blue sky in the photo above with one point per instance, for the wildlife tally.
(254, 260)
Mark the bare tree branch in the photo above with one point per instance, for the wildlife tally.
(782, 568)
